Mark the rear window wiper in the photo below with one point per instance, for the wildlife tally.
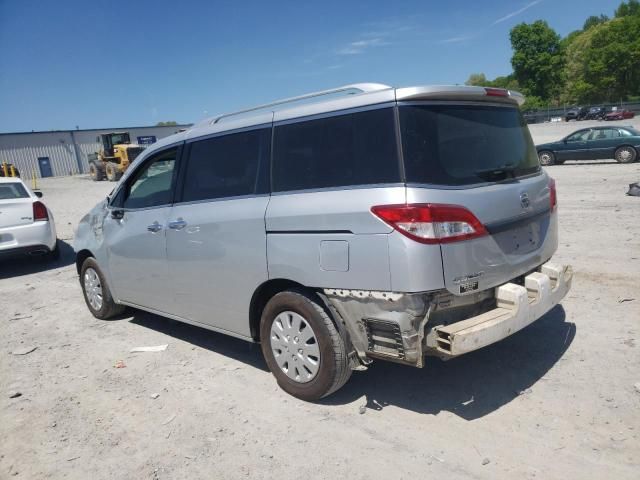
(504, 171)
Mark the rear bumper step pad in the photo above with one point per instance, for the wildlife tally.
(517, 307)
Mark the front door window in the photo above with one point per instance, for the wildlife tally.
(151, 185)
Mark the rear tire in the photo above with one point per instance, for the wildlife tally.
(626, 154)
(302, 346)
(112, 172)
(546, 158)
(96, 292)
(95, 172)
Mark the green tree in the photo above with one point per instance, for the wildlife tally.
(509, 82)
(600, 62)
(594, 20)
(577, 88)
(477, 80)
(538, 61)
(628, 9)
(480, 80)
(612, 63)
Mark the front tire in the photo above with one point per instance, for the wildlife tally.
(302, 346)
(112, 172)
(625, 154)
(96, 292)
(546, 158)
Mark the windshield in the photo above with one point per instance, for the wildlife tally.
(461, 144)
(9, 191)
(120, 138)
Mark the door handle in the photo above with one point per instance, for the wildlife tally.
(178, 224)
(154, 227)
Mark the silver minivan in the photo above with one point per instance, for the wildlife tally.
(364, 222)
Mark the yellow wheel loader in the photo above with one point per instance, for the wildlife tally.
(115, 157)
(8, 170)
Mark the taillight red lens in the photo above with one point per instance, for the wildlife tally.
(496, 92)
(39, 212)
(431, 223)
(553, 194)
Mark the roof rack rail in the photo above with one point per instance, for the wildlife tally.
(348, 89)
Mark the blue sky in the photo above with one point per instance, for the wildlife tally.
(126, 63)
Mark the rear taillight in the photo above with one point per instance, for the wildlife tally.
(39, 212)
(431, 223)
(553, 195)
(496, 92)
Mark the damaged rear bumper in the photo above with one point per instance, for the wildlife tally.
(516, 307)
(404, 327)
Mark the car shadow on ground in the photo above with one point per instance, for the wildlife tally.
(17, 266)
(470, 386)
(235, 348)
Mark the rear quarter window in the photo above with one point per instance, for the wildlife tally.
(9, 191)
(453, 144)
(344, 150)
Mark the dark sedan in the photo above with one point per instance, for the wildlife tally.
(596, 113)
(619, 143)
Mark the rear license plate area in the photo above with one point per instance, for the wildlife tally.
(520, 240)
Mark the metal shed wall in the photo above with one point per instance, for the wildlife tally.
(23, 149)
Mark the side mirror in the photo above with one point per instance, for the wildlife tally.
(38, 193)
(117, 214)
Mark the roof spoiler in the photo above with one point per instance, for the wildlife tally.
(459, 92)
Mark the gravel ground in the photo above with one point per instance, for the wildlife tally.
(558, 400)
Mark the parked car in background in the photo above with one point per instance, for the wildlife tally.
(622, 114)
(26, 224)
(595, 113)
(530, 117)
(619, 143)
(300, 226)
(576, 113)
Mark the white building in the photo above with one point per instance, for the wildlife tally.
(64, 152)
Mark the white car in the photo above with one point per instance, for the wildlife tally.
(26, 224)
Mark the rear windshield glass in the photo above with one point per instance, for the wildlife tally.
(465, 144)
(630, 131)
(12, 190)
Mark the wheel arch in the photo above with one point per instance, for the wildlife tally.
(262, 295)
(630, 145)
(81, 256)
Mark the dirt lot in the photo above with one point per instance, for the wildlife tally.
(559, 400)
